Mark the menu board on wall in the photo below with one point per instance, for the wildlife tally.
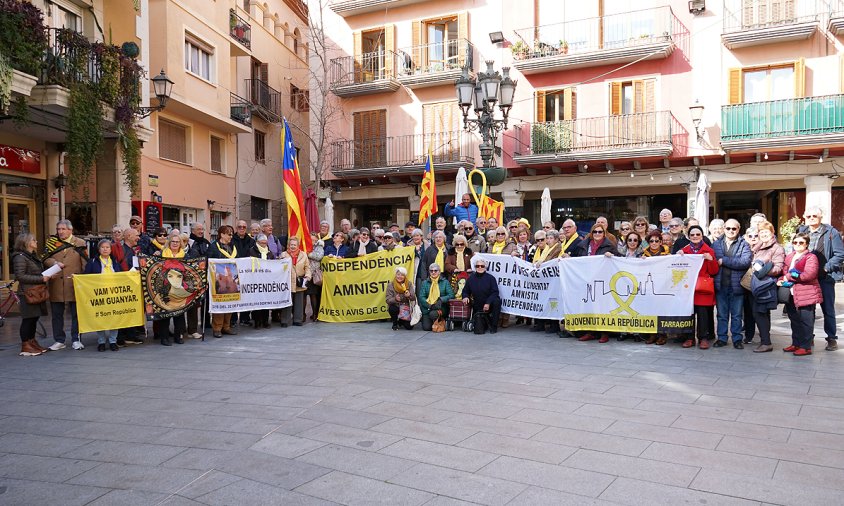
(152, 216)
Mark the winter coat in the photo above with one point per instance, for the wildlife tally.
(732, 267)
(829, 250)
(571, 249)
(300, 270)
(126, 258)
(806, 290)
(482, 289)
(391, 294)
(198, 246)
(446, 293)
(476, 243)
(371, 247)
(243, 245)
(707, 270)
(462, 213)
(605, 246)
(256, 253)
(214, 250)
(315, 257)
(95, 266)
(61, 286)
(27, 269)
(330, 249)
(429, 257)
(769, 253)
(451, 261)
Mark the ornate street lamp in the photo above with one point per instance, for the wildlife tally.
(163, 87)
(482, 94)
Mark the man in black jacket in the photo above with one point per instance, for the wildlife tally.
(482, 290)
(243, 242)
(197, 247)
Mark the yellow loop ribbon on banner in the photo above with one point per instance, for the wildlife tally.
(624, 305)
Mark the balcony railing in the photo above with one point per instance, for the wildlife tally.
(364, 73)
(405, 153)
(69, 59)
(783, 118)
(435, 57)
(265, 98)
(616, 31)
(617, 136)
(240, 29)
(742, 15)
(241, 110)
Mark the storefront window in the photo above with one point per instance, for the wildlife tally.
(616, 209)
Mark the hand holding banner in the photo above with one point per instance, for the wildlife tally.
(246, 284)
(108, 301)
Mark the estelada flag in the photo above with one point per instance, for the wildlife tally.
(491, 208)
(297, 225)
(428, 199)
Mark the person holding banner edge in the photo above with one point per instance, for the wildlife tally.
(704, 302)
(400, 292)
(261, 249)
(223, 248)
(481, 291)
(104, 264)
(300, 276)
(434, 295)
(597, 243)
(161, 327)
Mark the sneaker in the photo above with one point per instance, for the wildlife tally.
(134, 340)
(802, 352)
(113, 347)
(831, 344)
(57, 346)
(77, 345)
(196, 335)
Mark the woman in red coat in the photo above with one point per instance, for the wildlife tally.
(704, 289)
(802, 277)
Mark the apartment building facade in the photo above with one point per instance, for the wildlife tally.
(605, 107)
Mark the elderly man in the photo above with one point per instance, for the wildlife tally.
(409, 227)
(481, 291)
(569, 239)
(491, 224)
(277, 245)
(481, 225)
(756, 219)
(665, 217)
(124, 253)
(198, 247)
(70, 254)
(389, 241)
(825, 242)
(243, 242)
(466, 210)
(143, 239)
(734, 257)
(474, 240)
(346, 228)
(324, 231)
(440, 225)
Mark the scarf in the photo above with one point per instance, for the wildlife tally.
(168, 253)
(440, 259)
(326, 238)
(434, 294)
(540, 254)
(159, 246)
(362, 248)
(69, 240)
(226, 253)
(565, 245)
(294, 259)
(460, 261)
(695, 250)
(593, 247)
(400, 288)
(263, 251)
(663, 250)
(107, 265)
(498, 247)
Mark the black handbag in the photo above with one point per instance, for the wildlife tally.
(783, 294)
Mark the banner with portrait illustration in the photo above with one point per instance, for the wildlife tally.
(526, 290)
(108, 301)
(642, 295)
(246, 284)
(171, 286)
(355, 289)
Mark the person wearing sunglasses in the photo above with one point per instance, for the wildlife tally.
(158, 242)
(596, 243)
(654, 248)
(704, 298)
(752, 237)
(767, 266)
(474, 240)
(632, 247)
(825, 242)
(363, 245)
(802, 280)
(625, 228)
(734, 256)
(466, 210)
(481, 291)
(433, 298)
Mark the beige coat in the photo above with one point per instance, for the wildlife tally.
(301, 269)
(61, 285)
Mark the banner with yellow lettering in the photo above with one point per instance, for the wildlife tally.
(355, 289)
(108, 301)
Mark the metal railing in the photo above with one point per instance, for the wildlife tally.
(241, 109)
(783, 118)
(404, 151)
(435, 57)
(363, 68)
(597, 134)
(741, 15)
(69, 59)
(266, 99)
(616, 31)
(240, 29)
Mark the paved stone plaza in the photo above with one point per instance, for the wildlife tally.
(359, 414)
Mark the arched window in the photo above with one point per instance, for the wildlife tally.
(296, 36)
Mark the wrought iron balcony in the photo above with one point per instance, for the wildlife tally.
(69, 59)
(364, 74)
(649, 134)
(648, 34)
(240, 29)
(751, 23)
(346, 8)
(434, 64)
(241, 110)
(265, 98)
(783, 123)
(404, 154)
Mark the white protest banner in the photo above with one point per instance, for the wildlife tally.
(244, 284)
(526, 290)
(644, 295)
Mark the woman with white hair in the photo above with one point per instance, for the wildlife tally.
(434, 295)
(436, 252)
(716, 229)
(400, 292)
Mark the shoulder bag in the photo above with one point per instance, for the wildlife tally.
(416, 314)
(37, 294)
(439, 325)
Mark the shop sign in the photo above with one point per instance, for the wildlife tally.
(152, 179)
(19, 159)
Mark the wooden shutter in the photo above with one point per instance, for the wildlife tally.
(638, 96)
(442, 126)
(540, 106)
(265, 72)
(216, 155)
(615, 98)
(735, 86)
(462, 37)
(800, 78)
(370, 142)
(569, 104)
(389, 49)
(358, 52)
(418, 36)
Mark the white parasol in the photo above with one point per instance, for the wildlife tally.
(545, 208)
(702, 200)
(461, 187)
(329, 213)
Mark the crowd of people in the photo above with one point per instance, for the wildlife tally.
(745, 275)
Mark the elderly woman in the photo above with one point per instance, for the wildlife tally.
(704, 298)
(596, 243)
(481, 291)
(299, 274)
(223, 248)
(417, 242)
(716, 229)
(363, 245)
(802, 280)
(751, 235)
(623, 229)
(459, 257)
(158, 242)
(654, 246)
(553, 245)
(641, 226)
(27, 268)
(314, 290)
(104, 264)
(434, 295)
(337, 248)
(400, 292)
(255, 230)
(632, 245)
(549, 251)
(161, 328)
(500, 245)
(767, 266)
(539, 251)
(261, 249)
(522, 243)
(436, 252)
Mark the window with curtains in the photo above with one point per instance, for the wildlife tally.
(173, 141)
(771, 82)
(556, 111)
(370, 138)
(442, 122)
(260, 145)
(217, 155)
(437, 43)
(199, 58)
(632, 106)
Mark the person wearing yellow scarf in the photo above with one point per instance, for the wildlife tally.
(399, 293)
(497, 247)
(540, 249)
(103, 264)
(174, 248)
(263, 250)
(434, 296)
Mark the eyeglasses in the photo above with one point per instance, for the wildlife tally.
(633, 240)
(730, 228)
(540, 239)
(654, 240)
(513, 226)
(695, 234)
(625, 229)
(674, 225)
(637, 225)
(811, 216)
(798, 242)
(480, 267)
(160, 235)
(546, 227)
(501, 233)
(434, 270)
(134, 222)
(459, 245)
(241, 226)
(597, 232)
(469, 228)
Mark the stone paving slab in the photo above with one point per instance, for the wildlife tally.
(357, 414)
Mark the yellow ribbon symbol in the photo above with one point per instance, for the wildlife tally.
(478, 201)
(624, 305)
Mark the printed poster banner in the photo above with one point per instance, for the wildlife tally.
(244, 284)
(355, 289)
(171, 286)
(643, 295)
(108, 301)
(526, 290)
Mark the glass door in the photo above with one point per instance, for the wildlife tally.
(18, 217)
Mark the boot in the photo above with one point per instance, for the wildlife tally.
(504, 321)
(28, 349)
(34, 341)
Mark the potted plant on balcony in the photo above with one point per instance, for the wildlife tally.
(520, 50)
(563, 48)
